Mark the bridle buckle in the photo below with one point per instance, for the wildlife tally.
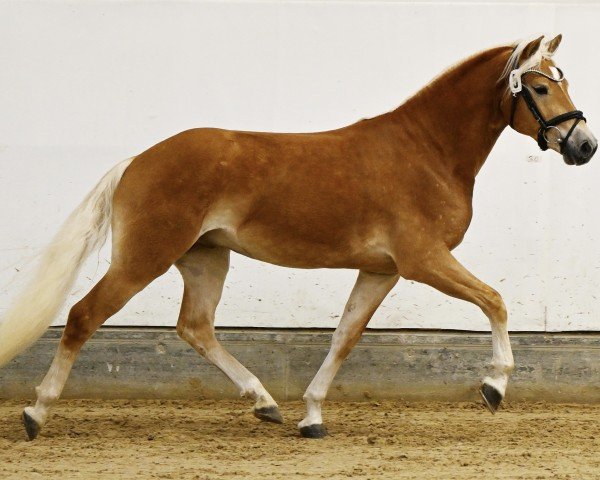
(514, 82)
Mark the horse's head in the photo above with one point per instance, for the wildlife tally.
(537, 103)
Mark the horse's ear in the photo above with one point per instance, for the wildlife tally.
(553, 44)
(531, 48)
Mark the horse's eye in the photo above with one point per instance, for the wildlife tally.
(541, 89)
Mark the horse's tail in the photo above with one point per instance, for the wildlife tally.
(84, 232)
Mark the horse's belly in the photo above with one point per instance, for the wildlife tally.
(293, 251)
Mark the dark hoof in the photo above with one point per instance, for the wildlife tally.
(314, 431)
(491, 397)
(31, 426)
(268, 414)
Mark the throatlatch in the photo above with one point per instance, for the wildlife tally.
(518, 89)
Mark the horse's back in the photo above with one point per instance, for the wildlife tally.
(326, 199)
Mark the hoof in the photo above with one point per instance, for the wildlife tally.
(314, 431)
(491, 397)
(31, 426)
(268, 414)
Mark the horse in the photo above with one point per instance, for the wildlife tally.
(389, 196)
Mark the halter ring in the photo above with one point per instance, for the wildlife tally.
(558, 140)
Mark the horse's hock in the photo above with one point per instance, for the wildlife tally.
(410, 365)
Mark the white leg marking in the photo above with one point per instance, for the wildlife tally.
(502, 359)
(51, 387)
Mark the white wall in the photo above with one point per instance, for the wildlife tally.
(84, 84)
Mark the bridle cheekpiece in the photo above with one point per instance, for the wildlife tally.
(518, 89)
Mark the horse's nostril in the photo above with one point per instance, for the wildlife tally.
(585, 148)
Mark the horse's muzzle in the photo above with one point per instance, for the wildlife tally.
(581, 153)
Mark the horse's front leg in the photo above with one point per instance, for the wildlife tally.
(439, 269)
(369, 291)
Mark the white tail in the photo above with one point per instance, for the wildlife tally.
(83, 232)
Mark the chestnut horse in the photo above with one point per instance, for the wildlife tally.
(389, 196)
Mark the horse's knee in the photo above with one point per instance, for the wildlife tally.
(343, 341)
(196, 337)
(493, 305)
(186, 333)
(182, 331)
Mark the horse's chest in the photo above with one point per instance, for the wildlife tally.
(452, 219)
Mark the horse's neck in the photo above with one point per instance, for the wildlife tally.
(457, 119)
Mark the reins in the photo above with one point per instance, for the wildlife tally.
(518, 89)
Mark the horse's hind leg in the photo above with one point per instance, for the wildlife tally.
(141, 253)
(109, 295)
(204, 270)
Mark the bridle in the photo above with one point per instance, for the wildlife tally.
(518, 89)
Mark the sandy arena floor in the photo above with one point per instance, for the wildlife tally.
(208, 439)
